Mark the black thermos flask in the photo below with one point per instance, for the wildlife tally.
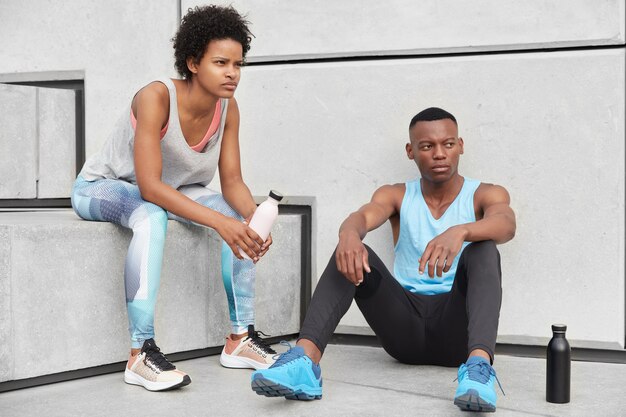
(558, 369)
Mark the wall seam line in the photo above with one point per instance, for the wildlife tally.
(37, 141)
(355, 58)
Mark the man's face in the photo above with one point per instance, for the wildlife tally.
(435, 147)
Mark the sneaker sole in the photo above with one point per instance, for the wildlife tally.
(132, 378)
(269, 388)
(236, 362)
(471, 401)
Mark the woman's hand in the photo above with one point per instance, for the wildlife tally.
(266, 246)
(238, 235)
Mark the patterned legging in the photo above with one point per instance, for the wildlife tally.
(120, 202)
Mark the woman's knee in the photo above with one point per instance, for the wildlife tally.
(218, 203)
(158, 217)
(149, 217)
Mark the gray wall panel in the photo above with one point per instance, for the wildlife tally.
(548, 126)
(118, 45)
(6, 318)
(318, 28)
(62, 291)
(18, 141)
(558, 119)
(57, 142)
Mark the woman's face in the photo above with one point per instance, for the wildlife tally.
(219, 70)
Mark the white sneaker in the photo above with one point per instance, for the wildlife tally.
(153, 371)
(248, 352)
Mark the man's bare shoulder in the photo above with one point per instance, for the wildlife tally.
(490, 196)
(390, 191)
(389, 195)
(492, 192)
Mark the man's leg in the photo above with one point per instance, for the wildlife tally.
(391, 311)
(475, 299)
(243, 348)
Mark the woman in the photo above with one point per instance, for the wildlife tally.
(155, 166)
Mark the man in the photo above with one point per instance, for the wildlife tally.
(442, 303)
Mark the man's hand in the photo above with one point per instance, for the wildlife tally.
(442, 250)
(352, 257)
(351, 254)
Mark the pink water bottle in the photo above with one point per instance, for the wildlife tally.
(264, 217)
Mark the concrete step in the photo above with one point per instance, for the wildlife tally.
(62, 302)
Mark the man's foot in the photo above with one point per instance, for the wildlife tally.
(151, 369)
(248, 352)
(475, 391)
(293, 376)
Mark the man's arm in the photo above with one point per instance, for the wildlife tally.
(351, 255)
(498, 219)
(497, 223)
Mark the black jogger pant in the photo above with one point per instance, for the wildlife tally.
(413, 328)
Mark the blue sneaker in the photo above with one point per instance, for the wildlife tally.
(293, 376)
(475, 391)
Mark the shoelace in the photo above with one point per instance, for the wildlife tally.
(481, 372)
(283, 358)
(261, 343)
(158, 358)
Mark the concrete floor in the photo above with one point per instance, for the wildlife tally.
(358, 381)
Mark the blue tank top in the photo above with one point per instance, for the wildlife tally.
(418, 227)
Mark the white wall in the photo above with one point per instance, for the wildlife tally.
(325, 28)
(118, 45)
(37, 142)
(549, 125)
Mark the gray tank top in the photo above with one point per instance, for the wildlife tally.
(181, 164)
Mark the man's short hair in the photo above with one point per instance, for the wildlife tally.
(430, 114)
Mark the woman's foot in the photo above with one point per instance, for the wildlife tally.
(151, 369)
(249, 351)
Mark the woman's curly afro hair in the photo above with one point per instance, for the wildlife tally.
(203, 24)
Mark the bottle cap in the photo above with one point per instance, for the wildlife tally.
(560, 328)
(276, 195)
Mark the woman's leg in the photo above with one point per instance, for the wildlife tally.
(244, 348)
(120, 202)
(238, 275)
